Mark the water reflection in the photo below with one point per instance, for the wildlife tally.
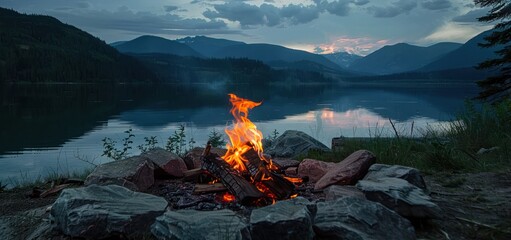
(44, 129)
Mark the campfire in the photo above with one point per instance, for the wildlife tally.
(248, 175)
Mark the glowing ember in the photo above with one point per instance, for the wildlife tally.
(244, 134)
(294, 180)
(227, 197)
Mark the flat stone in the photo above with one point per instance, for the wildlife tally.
(291, 219)
(399, 195)
(294, 143)
(192, 158)
(355, 218)
(95, 212)
(166, 163)
(348, 171)
(284, 163)
(412, 175)
(314, 169)
(203, 225)
(135, 173)
(335, 191)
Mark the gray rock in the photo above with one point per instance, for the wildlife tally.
(335, 191)
(291, 219)
(360, 219)
(192, 158)
(412, 175)
(166, 163)
(101, 211)
(400, 196)
(294, 143)
(487, 150)
(284, 163)
(314, 169)
(200, 225)
(348, 171)
(135, 173)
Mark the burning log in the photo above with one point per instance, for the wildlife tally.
(260, 172)
(244, 191)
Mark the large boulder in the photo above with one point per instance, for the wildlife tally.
(291, 219)
(348, 171)
(355, 218)
(95, 212)
(400, 196)
(166, 163)
(314, 169)
(200, 225)
(135, 173)
(335, 191)
(192, 158)
(294, 143)
(412, 175)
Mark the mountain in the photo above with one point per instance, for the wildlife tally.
(467, 56)
(401, 57)
(153, 44)
(274, 55)
(342, 59)
(207, 46)
(41, 49)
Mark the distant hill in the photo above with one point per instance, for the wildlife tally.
(41, 49)
(467, 56)
(154, 44)
(270, 54)
(207, 46)
(179, 69)
(401, 57)
(342, 59)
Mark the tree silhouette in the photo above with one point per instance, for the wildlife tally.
(496, 88)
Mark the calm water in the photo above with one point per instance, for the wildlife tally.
(47, 128)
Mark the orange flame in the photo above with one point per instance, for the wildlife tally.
(244, 134)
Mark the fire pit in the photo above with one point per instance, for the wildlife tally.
(249, 176)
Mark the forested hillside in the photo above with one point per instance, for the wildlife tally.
(41, 49)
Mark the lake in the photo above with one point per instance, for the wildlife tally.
(54, 128)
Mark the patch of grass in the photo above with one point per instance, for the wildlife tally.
(453, 183)
(25, 181)
(453, 148)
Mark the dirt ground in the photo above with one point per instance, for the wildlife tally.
(475, 205)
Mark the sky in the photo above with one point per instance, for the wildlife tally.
(320, 26)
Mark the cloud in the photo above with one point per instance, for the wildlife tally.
(339, 8)
(395, 9)
(436, 4)
(471, 16)
(359, 46)
(299, 13)
(270, 15)
(141, 22)
(241, 12)
(455, 32)
(360, 2)
(169, 8)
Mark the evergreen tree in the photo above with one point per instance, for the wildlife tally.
(497, 87)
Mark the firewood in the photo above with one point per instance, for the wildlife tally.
(209, 188)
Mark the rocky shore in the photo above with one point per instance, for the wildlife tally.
(150, 197)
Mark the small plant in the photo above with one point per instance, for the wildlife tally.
(273, 136)
(2, 186)
(150, 144)
(216, 139)
(110, 150)
(177, 142)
